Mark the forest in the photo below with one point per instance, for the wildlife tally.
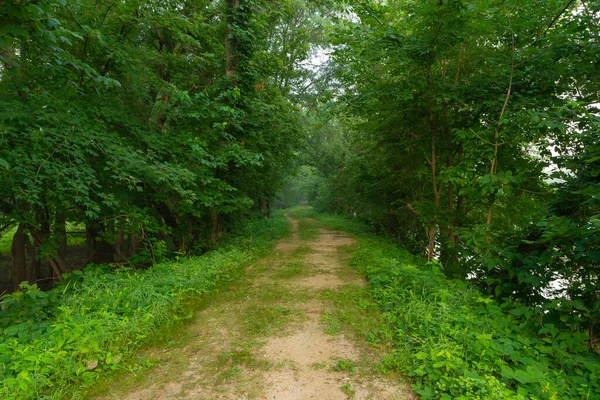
(145, 147)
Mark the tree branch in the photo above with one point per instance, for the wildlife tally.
(558, 16)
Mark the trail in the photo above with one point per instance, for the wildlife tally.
(271, 335)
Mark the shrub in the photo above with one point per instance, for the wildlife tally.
(458, 343)
(96, 319)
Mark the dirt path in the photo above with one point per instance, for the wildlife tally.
(273, 335)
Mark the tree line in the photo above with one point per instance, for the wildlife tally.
(468, 130)
(154, 125)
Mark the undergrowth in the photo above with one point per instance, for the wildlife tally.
(457, 343)
(6, 239)
(94, 321)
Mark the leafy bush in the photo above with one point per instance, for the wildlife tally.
(95, 319)
(457, 343)
(460, 344)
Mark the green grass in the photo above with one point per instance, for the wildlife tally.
(262, 320)
(300, 212)
(344, 365)
(301, 251)
(308, 229)
(85, 329)
(347, 389)
(357, 313)
(289, 270)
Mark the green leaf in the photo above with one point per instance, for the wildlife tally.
(522, 376)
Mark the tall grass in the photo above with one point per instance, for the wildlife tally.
(94, 321)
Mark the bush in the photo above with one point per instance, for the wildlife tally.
(96, 319)
(457, 343)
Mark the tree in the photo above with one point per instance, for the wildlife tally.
(147, 122)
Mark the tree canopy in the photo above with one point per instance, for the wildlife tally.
(468, 131)
(144, 119)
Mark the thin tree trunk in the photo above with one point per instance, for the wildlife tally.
(99, 251)
(436, 191)
(451, 236)
(338, 186)
(55, 268)
(231, 39)
(61, 232)
(494, 166)
(118, 246)
(19, 264)
(133, 242)
(215, 231)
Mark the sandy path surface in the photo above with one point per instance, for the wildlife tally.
(294, 362)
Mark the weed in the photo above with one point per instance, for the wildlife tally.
(273, 293)
(454, 341)
(241, 354)
(173, 343)
(332, 324)
(319, 365)
(344, 365)
(263, 320)
(290, 269)
(229, 374)
(301, 251)
(308, 229)
(348, 390)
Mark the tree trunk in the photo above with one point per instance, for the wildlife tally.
(215, 231)
(118, 246)
(133, 242)
(451, 236)
(436, 190)
(29, 252)
(231, 39)
(494, 166)
(99, 251)
(61, 233)
(265, 209)
(39, 239)
(17, 250)
(37, 273)
(338, 185)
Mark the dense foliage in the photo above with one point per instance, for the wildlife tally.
(469, 131)
(144, 121)
(95, 320)
(457, 343)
